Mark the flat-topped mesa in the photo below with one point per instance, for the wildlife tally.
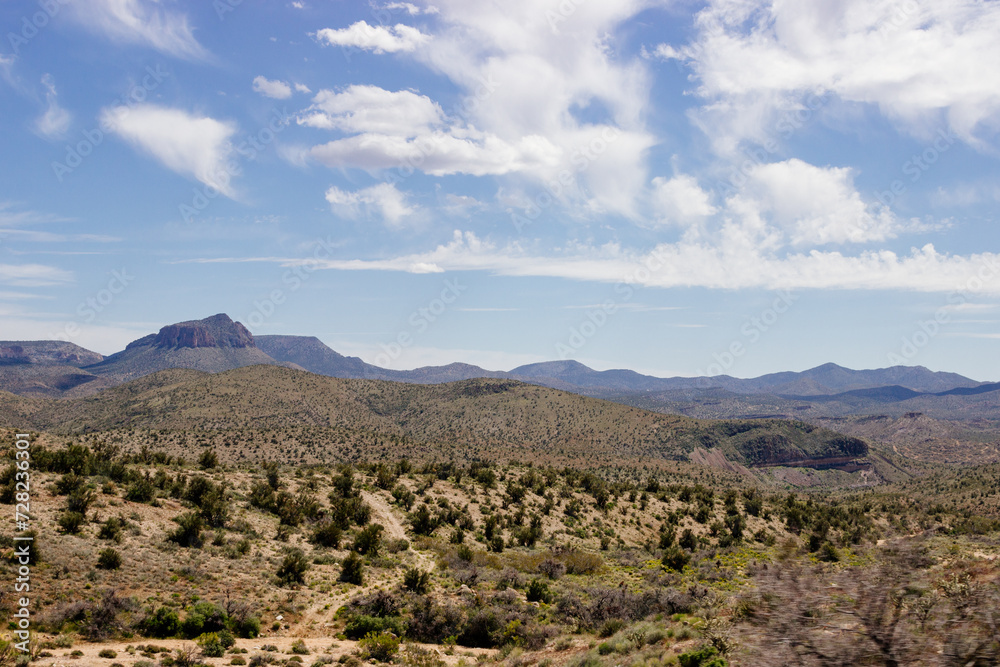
(216, 331)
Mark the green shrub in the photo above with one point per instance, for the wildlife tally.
(381, 646)
(299, 647)
(293, 567)
(109, 559)
(352, 569)
(363, 625)
(208, 459)
(164, 622)
(107, 653)
(70, 522)
(705, 656)
(248, 628)
(675, 558)
(111, 530)
(210, 645)
(188, 533)
(416, 581)
(538, 591)
(326, 534)
(369, 540)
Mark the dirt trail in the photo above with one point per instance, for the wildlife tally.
(384, 514)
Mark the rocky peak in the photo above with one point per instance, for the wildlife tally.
(216, 331)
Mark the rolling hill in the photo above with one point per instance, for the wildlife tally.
(481, 418)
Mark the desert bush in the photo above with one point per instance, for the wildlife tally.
(379, 646)
(432, 622)
(210, 645)
(299, 647)
(107, 653)
(705, 656)
(352, 569)
(326, 534)
(208, 459)
(538, 591)
(164, 622)
(368, 541)
(109, 559)
(363, 625)
(188, 533)
(293, 567)
(111, 529)
(70, 522)
(416, 581)
(423, 521)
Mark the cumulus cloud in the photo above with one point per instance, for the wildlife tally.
(909, 59)
(189, 144)
(378, 39)
(382, 201)
(814, 205)
(54, 123)
(681, 200)
(142, 22)
(277, 90)
(363, 108)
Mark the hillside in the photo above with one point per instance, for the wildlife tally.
(495, 419)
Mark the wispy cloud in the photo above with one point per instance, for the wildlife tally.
(33, 275)
(54, 123)
(192, 145)
(382, 201)
(142, 22)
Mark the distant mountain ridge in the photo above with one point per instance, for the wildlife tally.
(217, 343)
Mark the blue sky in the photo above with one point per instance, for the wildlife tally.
(675, 187)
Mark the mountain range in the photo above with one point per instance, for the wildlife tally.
(217, 343)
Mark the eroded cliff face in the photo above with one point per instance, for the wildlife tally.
(215, 331)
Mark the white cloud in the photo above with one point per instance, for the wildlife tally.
(412, 9)
(438, 154)
(910, 59)
(362, 108)
(681, 200)
(33, 275)
(277, 90)
(141, 22)
(302, 88)
(192, 145)
(54, 123)
(378, 39)
(813, 205)
(737, 261)
(383, 201)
